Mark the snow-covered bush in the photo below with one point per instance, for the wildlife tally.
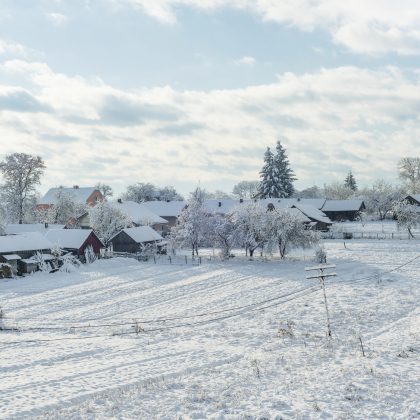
(6, 270)
(43, 265)
(57, 250)
(407, 216)
(90, 255)
(68, 262)
(363, 217)
(221, 227)
(320, 255)
(148, 250)
(2, 315)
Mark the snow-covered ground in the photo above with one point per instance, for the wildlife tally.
(385, 226)
(269, 361)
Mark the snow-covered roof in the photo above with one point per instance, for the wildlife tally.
(80, 194)
(415, 196)
(302, 216)
(68, 238)
(16, 228)
(11, 257)
(28, 241)
(45, 257)
(163, 208)
(289, 202)
(223, 206)
(342, 205)
(313, 213)
(142, 234)
(139, 212)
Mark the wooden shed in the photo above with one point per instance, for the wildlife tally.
(131, 240)
(342, 210)
(76, 240)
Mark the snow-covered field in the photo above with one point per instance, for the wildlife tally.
(268, 361)
(385, 226)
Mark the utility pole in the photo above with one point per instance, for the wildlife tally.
(321, 275)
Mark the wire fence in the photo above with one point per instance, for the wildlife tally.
(367, 235)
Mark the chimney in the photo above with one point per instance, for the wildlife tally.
(220, 204)
(241, 200)
(120, 201)
(75, 187)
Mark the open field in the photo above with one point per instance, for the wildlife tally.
(268, 361)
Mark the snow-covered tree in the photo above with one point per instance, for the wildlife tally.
(21, 173)
(407, 215)
(140, 192)
(320, 255)
(284, 172)
(90, 255)
(380, 199)
(246, 189)
(221, 227)
(43, 266)
(250, 224)
(269, 187)
(192, 226)
(350, 181)
(105, 190)
(287, 231)
(57, 250)
(220, 195)
(200, 195)
(107, 220)
(169, 193)
(146, 221)
(311, 192)
(338, 191)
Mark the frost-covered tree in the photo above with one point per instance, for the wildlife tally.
(380, 199)
(338, 191)
(221, 227)
(169, 193)
(269, 187)
(250, 227)
(409, 174)
(200, 195)
(407, 215)
(284, 172)
(220, 195)
(21, 173)
(105, 190)
(311, 192)
(140, 192)
(245, 189)
(107, 220)
(90, 256)
(192, 226)
(287, 231)
(350, 181)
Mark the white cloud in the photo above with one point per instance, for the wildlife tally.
(56, 18)
(245, 61)
(388, 25)
(6, 47)
(329, 121)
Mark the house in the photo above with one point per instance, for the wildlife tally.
(414, 199)
(42, 228)
(131, 240)
(14, 248)
(88, 195)
(168, 210)
(342, 210)
(29, 265)
(139, 214)
(319, 220)
(75, 241)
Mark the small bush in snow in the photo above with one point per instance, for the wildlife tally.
(407, 216)
(6, 270)
(90, 255)
(320, 255)
(68, 262)
(43, 265)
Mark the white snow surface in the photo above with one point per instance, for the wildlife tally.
(28, 241)
(80, 194)
(272, 362)
(69, 238)
(162, 208)
(11, 257)
(138, 212)
(142, 234)
(40, 227)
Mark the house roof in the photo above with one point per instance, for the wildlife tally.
(16, 228)
(163, 208)
(289, 202)
(342, 205)
(313, 213)
(11, 257)
(142, 234)
(415, 196)
(69, 238)
(28, 241)
(80, 194)
(139, 212)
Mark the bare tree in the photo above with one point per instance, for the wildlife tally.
(105, 190)
(246, 189)
(21, 173)
(409, 173)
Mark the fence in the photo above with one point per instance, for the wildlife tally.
(365, 235)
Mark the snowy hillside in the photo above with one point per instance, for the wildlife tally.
(267, 361)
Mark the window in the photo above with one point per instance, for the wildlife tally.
(95, 198)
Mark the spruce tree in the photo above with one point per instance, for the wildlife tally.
(350, 181)
(268, 185)
(284, 173)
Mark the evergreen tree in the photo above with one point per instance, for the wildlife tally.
(284, 173)
(350, 181)
(269, 184)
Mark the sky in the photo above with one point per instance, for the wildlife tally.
(177, 92)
